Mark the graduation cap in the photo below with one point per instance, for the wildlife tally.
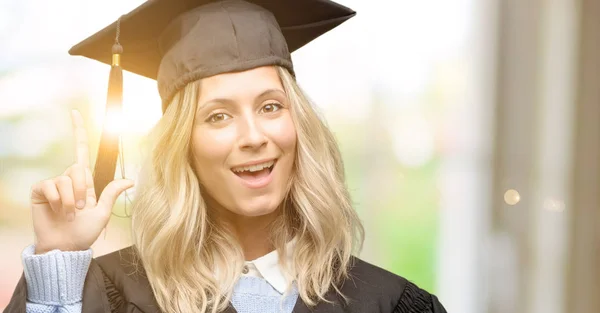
(180, 41)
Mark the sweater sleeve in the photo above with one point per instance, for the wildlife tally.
(55, 279)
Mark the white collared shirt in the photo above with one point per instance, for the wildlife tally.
(267, 267)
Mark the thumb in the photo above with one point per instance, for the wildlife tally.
(112, 191)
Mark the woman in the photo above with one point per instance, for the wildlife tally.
(242, 205)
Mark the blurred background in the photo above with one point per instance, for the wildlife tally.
(470, 131)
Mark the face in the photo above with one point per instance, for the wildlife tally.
(244, 141)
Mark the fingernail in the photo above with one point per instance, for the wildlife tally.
(80, 204)
(70, 216)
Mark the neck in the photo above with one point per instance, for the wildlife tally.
(252, 232)
(254, 241)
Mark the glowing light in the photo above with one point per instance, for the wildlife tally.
(512, 197)
(141, 104)
(114, 123)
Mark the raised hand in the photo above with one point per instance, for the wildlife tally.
(66, 214)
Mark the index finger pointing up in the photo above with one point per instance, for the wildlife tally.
(82, 151)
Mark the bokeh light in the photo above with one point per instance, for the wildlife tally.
(512, 197)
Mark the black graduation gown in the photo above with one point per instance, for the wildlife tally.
(112, 286)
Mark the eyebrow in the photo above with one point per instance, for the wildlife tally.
(229, 101)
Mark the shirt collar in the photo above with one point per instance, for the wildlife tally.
(267, 267)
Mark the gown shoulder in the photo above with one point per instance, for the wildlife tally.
(383, 291)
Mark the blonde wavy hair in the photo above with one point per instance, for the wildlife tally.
(169, 208)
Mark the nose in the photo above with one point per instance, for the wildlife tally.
(252, 136)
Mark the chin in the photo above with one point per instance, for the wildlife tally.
(258, 206)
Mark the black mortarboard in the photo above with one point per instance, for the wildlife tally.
(179, 41)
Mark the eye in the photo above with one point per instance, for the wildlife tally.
(217, 117)
(271, 107)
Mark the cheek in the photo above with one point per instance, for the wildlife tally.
(283, 133)
(210, 151)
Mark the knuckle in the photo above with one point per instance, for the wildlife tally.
(49, 189)
(53, 199)
(65, 190)
(67, 202)
(48, 185)
(36, 186)
(75, 169)
(63, 180)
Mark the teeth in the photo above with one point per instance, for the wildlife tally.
(253, 168)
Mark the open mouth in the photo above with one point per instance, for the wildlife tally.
(255, 174)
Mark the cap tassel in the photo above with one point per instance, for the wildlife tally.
(108, 151)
